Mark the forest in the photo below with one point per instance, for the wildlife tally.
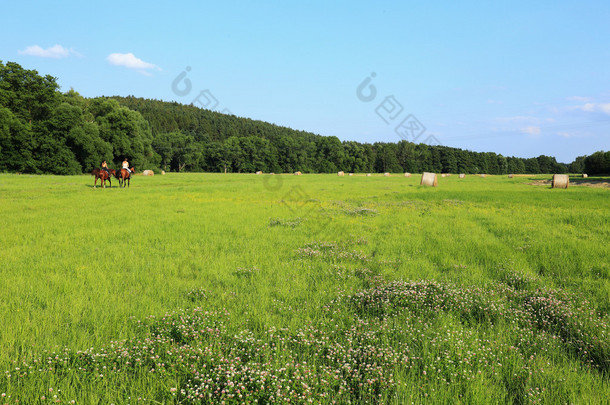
(44, 130)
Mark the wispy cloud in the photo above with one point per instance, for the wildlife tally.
(517, 118)
(603, 108)
(524, 119)
(565, 134)
(129, 60)
(55, 52)
(579, 99)
(531, 130)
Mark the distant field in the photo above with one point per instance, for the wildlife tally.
(190, 288)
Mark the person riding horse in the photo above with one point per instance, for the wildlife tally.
(103, 175)
(125, 173)
(126, 165)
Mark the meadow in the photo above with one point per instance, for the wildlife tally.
(238, 288)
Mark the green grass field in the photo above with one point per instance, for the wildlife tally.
(203, 288)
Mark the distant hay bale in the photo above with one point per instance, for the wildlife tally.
(297, 173)
(561, 181)
(510, 176)
(448, 174)
(462, 176)
(585, 175)
(272, 173)
(482, 175)
(407, 174)
(162, 172)
(386, 174)
(148, 173)
(428, 179)
(259, 172)
(351, 174)
(443, 174)
(340, 174)
(368, 175)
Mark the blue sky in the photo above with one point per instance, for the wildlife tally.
(515, 78)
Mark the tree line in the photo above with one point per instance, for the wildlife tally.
(43, 130)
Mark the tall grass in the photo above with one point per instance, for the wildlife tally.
(203, 287)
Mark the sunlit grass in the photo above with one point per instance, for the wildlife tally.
(268, 268)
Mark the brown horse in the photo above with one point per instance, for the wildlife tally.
(103, 176)
(124, 175)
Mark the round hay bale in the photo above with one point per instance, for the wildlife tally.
(272, 173)
(368, 175)
(462, 176)
(585, 175)
(162, 172)
(340, 174)
(561, 181)
(483, 175)
(510, 176)
(148, 173)
(259, 172)
(386, 174)
(297, 173)
(443, 174)
(351, 174)
(407, 174)
(428, 179)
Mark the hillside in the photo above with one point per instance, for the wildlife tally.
(45, 131)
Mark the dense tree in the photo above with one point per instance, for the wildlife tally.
(28, 95)
(597, 163)
(532, 165)
(45, 131)
(126, 130)
(177, 151)
(16, 144)
(578, 165)
(448, 160)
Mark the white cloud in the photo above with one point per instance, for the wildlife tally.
(55, 52)
(603, 108)
(531, 130)
(573, 134)
(580, 99)
(129, 60)
(522, 119)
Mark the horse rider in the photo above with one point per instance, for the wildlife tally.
(126, 166)
(105, 167)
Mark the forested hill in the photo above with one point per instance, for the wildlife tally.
(45, 131)
(190, 138)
